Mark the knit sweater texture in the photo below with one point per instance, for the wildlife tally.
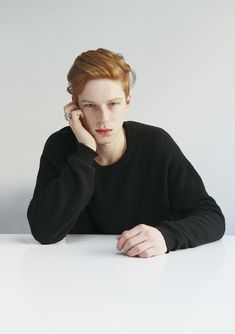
(153, 183)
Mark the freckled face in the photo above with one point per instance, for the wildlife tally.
(104, 105)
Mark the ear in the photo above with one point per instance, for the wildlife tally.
(128, 101)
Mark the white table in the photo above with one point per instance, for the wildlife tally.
(84, 285)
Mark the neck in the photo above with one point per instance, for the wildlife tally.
(108, 154)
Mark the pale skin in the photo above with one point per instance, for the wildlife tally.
(142, 240)
(85, 120)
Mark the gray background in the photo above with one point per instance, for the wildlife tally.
(182, 51)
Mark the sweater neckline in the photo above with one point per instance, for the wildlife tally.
(130, 143)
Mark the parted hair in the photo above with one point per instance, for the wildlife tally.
(97, 64)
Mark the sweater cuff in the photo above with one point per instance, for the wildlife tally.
(85, 152)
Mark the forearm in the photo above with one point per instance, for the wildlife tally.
(54, 210)
(199, 227)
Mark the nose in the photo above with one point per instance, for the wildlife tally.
(104, 115)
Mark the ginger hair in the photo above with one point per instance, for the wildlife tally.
(97, 64)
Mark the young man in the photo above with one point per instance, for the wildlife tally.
(104, 175)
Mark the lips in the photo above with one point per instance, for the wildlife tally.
(103, 130)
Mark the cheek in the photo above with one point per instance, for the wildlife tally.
(87, 123)
(120, 118)
(90, 119)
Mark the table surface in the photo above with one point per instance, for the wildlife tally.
(82, 284)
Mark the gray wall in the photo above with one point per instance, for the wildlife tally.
(182, 51)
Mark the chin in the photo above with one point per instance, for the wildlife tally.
(104, 141)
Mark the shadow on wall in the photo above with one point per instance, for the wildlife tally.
(13, 209)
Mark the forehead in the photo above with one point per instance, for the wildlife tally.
(102, 90)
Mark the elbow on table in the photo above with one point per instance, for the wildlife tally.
(41, 235)
(45, 239)
(221, 226)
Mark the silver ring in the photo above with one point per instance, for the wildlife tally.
(67, 116)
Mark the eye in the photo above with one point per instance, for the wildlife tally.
(89, 105)
(114, 103)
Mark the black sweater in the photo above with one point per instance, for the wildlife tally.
(152, 183)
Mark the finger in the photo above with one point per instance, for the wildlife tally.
(72, 118)
(78, 112)
(148, 253)
(70, 107)
(68, 114)
(128, 234)
(75, 117)
(68, 104)
(134, 241)
(139, 249)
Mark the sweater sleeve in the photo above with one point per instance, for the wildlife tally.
(63, 188)
(196, 218)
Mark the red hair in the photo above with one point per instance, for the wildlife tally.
(97, 64)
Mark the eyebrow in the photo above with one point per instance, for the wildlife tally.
(116, 98)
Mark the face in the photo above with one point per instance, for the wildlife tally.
(104, 105)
